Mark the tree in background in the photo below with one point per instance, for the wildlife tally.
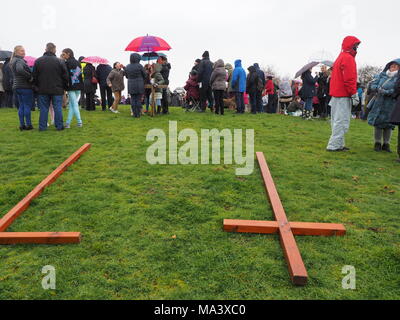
(366, 74)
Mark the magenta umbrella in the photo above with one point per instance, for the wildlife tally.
(30, 61)
(95, 60)
(148, 44)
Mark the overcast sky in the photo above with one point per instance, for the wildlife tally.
(282, 33)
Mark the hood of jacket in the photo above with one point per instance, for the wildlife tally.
(257, 66)
(219, 64)
(390, 63)
(135, 58)
(229, 67)
(349, 43)
(252, 69)
(238, 63)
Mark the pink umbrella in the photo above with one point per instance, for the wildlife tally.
(95, 60)
(30, 61)
(149, 44)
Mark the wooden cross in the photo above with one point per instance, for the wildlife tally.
(153, 111)
(286, 230)
(7, 238)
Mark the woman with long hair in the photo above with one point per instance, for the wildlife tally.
(115, 81)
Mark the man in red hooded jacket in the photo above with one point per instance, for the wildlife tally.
(343, 90)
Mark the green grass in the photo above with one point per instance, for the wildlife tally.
(129, 213)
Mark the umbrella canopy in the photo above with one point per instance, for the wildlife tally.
(149, 44)
(328, 63)
(30, 61)
(95, 60)
(305, 68)
(5, 55)
(152, 56)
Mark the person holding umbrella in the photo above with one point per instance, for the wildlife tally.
(308, 92)
(136, 77)
(90, 86)
(343, 89)
(23, 80)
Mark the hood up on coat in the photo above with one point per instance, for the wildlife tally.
(229, 67)
(257, 66)
(135, 58)
(206, 55)
(219, 64)
(397, 61)
(252, 69)
(349, 45)
(238, 63)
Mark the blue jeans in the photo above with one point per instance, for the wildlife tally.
(74, 107)
(309, 104)
(44, 105)
(25, 101)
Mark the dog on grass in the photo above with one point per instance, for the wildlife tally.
(230, 104)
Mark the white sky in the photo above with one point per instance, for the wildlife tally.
(283, 33)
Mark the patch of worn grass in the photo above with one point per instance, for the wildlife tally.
(155, 232)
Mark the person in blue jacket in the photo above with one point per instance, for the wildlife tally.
(239, 85)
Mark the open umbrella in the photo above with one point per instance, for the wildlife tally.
(305, 68)
(30, 61)
(148, 44)
(95, 60)
(5, 55)
(152, 56)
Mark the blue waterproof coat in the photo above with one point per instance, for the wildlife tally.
(383, 105)
(239, 78)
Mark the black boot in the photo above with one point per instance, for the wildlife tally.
(378, 147)
(22, 128)
(386, 147)
(29, 128)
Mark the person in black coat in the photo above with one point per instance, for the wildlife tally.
(308, 92)
(261, 75)
(103, 72)
(166, 68)
(205, 70)
(8, 80)
(323, 92)
(252, 88)
(395, 118)
(136, 79)
(51, 79)
(90, 86)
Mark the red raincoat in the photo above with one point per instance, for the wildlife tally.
(344, 74)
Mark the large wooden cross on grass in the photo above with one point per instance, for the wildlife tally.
(287, 230)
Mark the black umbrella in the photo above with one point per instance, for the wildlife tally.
(305, 68)
(5, 55)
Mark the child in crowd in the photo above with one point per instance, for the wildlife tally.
(296, 107)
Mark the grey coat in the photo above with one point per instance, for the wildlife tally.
(22, 73)
(116, 80)
(136, 75)
(218, 76)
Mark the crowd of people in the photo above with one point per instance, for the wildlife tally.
(333, 92)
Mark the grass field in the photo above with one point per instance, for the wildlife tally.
(155, 232)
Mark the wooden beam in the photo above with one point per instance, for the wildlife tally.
(297, 270)
(272, 227)
(50, 238)
(15, 212)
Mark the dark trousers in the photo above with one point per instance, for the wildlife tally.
(239, 97)
(219, 101)
(206, 95)
(8, 99)
(2, 96)
(253, 102)
(260, 106)
(323, 107)
(106, 97)
(164, 102)
(136, 104)
(271, 108)
(90, 103)
(82, 100)
(398, 143)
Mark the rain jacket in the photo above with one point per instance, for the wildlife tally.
(136, 75)
(382, 107)
(204, 72)
(395, 118)
(252, 81)
(88, 73)
(103, 71)
(239, 77)
(116, 80)
(309, 89)
(344, 74)
(192, 88)
(269, 87)
(75, 75)
(218, 76)
(260, 73)
(22, 73)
